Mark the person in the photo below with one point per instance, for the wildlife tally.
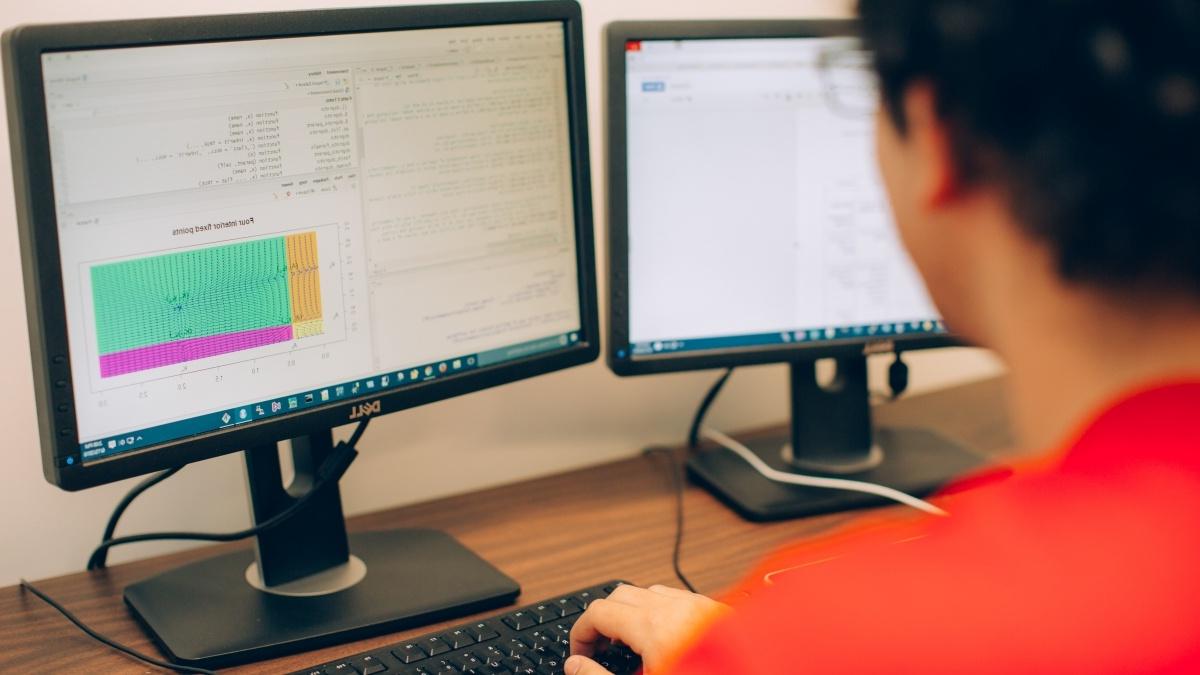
(1042, 160)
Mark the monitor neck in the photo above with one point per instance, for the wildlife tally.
(309, 553)
(831, 424)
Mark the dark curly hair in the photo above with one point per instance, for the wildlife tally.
(1086, 112)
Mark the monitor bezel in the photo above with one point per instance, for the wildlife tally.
(38, 233)
(616, 36)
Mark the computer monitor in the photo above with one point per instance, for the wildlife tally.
(748, 225)
(237, 230)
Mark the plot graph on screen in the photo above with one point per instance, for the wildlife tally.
(176, 308)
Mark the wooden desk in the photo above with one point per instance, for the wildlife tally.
(551, 534)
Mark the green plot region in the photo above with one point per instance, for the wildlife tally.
(182, 306)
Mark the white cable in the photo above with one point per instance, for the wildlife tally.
(818, 481)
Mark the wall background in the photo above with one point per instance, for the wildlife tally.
(560, 421)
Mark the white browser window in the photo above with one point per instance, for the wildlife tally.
(755, 207)
(243, 221)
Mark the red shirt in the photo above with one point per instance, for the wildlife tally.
(1091, 565)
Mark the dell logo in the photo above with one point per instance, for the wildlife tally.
(365, 410)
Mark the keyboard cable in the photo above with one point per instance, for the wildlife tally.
(105, 640)
(675, 467)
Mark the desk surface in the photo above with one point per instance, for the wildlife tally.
(610, 521)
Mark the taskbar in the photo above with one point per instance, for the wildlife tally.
(829, 334)
(104, 448)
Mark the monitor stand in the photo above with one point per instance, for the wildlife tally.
(831, 435)
(308, 584)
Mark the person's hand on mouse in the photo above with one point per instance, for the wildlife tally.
(653, 622)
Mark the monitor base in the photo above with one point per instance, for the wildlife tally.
(206, 614)
(915, 461)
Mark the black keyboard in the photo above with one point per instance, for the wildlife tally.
(532, 640)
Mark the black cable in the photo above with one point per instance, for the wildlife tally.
(328, 473)
(270, 523)
(111, 528)
(677, 475)
(693, 439)
(357, 433)
(676, 469)
(150, 660)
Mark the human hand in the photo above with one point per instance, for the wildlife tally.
(654, 622)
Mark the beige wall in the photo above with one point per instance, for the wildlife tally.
(570, 419)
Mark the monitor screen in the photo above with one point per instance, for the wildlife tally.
(755, 213)
(254, 228)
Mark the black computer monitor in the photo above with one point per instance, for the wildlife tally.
(237, 230)
(748, 225)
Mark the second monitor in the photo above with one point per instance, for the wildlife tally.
(749, 225)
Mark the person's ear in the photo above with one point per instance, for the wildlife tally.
(936, 176)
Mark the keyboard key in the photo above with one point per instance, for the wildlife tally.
(483, 631)
(341, 669)
(585, 598)
(547, 612)
(564, 634)
(545, 654)
(535, 657)
(435, 645)
(514, 647)
(521, 620)
(608, 590)
(466, 662)
(567, 606)
(557, 637)
(459, 638)
(539, 637)
(409, 653)
(369, 665)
